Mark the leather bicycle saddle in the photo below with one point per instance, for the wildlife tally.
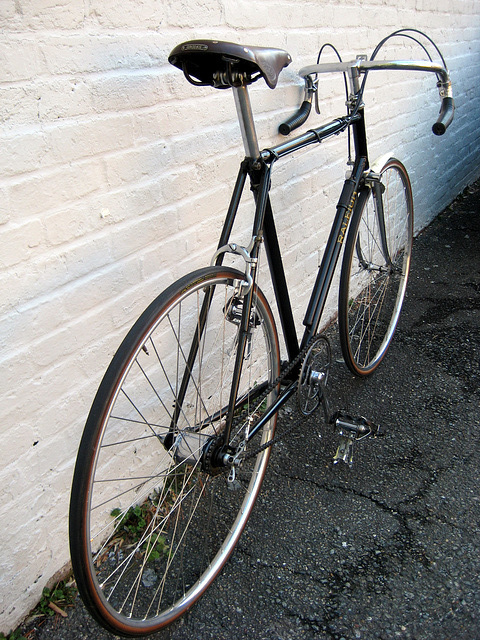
(225, 64)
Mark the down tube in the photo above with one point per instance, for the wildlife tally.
(334, 245)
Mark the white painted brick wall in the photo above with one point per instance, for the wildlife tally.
(114, 176)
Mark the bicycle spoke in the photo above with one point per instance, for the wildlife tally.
(161, 515)
(375, 270)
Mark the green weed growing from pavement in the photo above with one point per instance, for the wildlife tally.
(13, 635)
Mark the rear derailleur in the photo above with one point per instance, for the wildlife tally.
(216, 458)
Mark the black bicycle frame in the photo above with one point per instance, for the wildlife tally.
(264, 228)
(259, 172)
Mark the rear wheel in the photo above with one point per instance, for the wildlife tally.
(152, 516)
(375, 269)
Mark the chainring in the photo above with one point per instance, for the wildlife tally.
(313, 377)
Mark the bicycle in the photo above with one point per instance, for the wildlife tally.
(179, 434)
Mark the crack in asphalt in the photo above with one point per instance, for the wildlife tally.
(398, 512)
(443, 308)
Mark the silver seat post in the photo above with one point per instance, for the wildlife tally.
(245, 118)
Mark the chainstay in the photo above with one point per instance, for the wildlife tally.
(283, 374)
(275, 439)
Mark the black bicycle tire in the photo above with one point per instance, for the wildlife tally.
(78, 523)
(367, 367)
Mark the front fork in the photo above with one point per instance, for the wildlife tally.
(373, 180)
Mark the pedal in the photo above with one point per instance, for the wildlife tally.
(344, 451)
(351, 429)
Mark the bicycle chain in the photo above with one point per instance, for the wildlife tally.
(283, 374)
(241, 418)
(276, 439)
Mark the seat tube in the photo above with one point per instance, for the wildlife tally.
(245, 118)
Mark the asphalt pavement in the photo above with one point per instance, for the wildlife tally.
(390, 548)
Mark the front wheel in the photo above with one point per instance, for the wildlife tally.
(375, 268)
(153, 515)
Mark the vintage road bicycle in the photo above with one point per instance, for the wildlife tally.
(180, 432)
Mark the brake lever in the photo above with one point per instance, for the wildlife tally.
(311, 87)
